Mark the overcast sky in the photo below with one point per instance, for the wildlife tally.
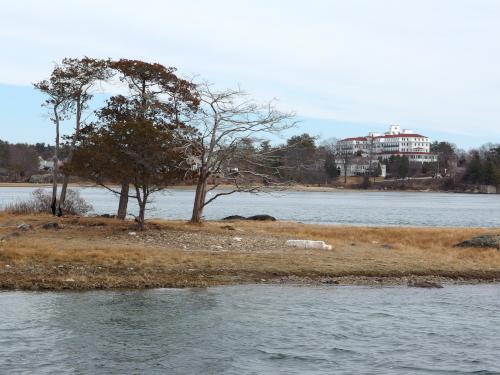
(346, 67)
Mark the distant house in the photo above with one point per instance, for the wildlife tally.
(47, 165)
(360, 166)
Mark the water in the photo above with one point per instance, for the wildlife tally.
(253, 329)
(339, 207)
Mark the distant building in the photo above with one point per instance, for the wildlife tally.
(47, 165)
(395, 142)
(361, 166)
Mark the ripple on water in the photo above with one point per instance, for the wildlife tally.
(253, 330)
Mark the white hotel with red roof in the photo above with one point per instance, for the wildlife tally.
(395, 142)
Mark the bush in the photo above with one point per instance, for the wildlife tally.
(366, 184)
(41, 201)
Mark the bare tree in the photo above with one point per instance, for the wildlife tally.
(329, 147)
(59, 105)
(345, 159)
(227, 121)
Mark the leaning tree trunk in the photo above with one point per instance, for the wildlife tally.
(122, 205)
(64, 187)
(54, 186)
(55, 167)
(141, 201)
(62, 197)
(199, 199)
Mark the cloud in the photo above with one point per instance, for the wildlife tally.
(426, 64)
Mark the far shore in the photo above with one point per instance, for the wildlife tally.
(297, 187)
(102, 253)
(292, 188)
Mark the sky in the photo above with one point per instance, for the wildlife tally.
(345, 67)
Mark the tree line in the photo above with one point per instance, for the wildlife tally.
(19, 161)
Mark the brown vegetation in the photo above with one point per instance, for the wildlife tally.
(89, 253)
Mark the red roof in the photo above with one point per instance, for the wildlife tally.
(401, 136)
(408, 152)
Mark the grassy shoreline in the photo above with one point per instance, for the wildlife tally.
(99, 253)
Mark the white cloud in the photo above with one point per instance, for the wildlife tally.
(423, 63)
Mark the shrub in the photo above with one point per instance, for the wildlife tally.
(41, 201)
(366, 184)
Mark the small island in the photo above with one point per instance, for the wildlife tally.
(40, 252)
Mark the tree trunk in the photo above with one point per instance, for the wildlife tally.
(55, 167)
(142, 211)
(122, 205)
(64, 187)
(199, 199)
(54, 188)
(62, 197)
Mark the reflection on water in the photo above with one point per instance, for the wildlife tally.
(253, 330)
(339, 207)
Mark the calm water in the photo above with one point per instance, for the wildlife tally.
(349, 207)
(253, 330)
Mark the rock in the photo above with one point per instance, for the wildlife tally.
(255, 217)
(485, 240)
(423, 284)
(107, 216)
(50, 225)
(23, 227)
(308, 244)
(261, 218)
(235, 217)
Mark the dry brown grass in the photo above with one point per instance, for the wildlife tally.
(81, 254)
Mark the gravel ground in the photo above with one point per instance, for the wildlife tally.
(234, 241)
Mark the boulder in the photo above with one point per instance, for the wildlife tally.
(50, 225)
(308, 244)
(234, 217)
(423, 284)
(255, 217)
(485, 241)
(261, 218)
(23, 227)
